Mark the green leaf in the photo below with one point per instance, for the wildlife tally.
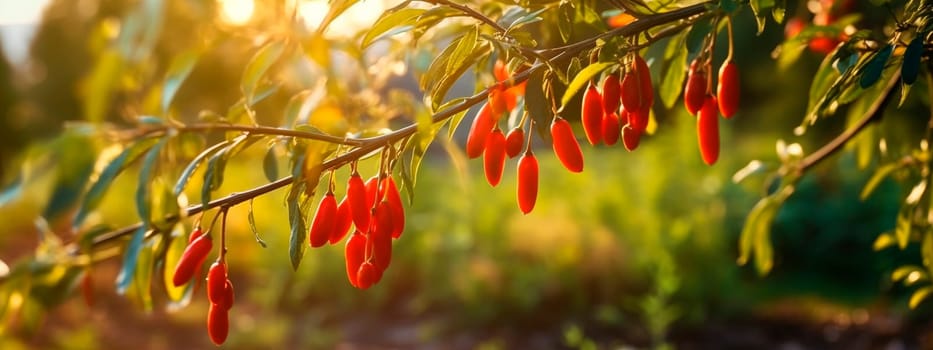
(825, 78)
(755, 238)
(143, 193)
(883, 241)
(926, 249)
(130, 258)
(880, 174)
(872, 71)
(910, 67)
(909, 274)
(270, 165)
(405, 17)
(759, 7)
(531, 17)
(252, 225)
(177, 242)
(97, 190)
(791, 50)
(581, 79)
(101, 84)
(444, 71)
(566, 20)
(919, 296)
(264, 58)
(536, 103)
(673, 80)
(902, 229)
(178, 71)
(214, 176)
(778, 11)
(13, 190)
(143, 275)
(193, 165)
(296, 220)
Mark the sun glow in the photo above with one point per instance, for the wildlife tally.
(355, 18)
(236, 11)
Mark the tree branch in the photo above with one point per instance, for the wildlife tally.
(365, 146)
(252, 129)
(836, 144)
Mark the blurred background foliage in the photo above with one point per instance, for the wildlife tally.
(639, 250)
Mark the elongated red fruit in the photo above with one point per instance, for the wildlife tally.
(728, 92)
(494, 157)
(612, 86)
(342, 222)
(514, 141)
(708, 131)
(218, 324)
(395, 207)
(638, 119)
(527, 182)
(631, 91)
(366, 275)
(611, 128)
(216, 283)
(565, 145)
(630, 138)
(325, 221)
(191, 259)
(354, 254)
(372, 197)
(695, 88)
(482, 126)
(591, 115)
(356, 197)
(229, 297)
(381, 236)
(644, 76)
(195, 234)
(500, 71)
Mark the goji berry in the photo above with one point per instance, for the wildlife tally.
(708, 131)
(324, 222)
(695, 88)
(354, 254)
(728, 92)
(216, 283)
(591, 115)
(483, 124)
(527, 182)
(565, 145)
(514, 141)
(611, 128)
(342, 222)
(356, 197)
(218, 323)
(192, 259)
(494, 157)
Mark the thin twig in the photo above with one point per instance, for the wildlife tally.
(252, 129)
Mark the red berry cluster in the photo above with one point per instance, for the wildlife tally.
(700, 101)
(620, 110)
(825, 13)
(219, 288)
(375, 209)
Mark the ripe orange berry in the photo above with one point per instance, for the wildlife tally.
(638, 119)
(591, 114)
(527, 182)
(514, 142)
(192, 259)
(342, 222)
(381, 237)
(494, 157)
(611, 128)
(728, 92)
(216, 283)
(708, 130)
(695, 88)
(482, 126)
(354, 254)
(325, 221)
(218, 323)
(565, 145)
(498, 101)
(195, 234)
(500, 71)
